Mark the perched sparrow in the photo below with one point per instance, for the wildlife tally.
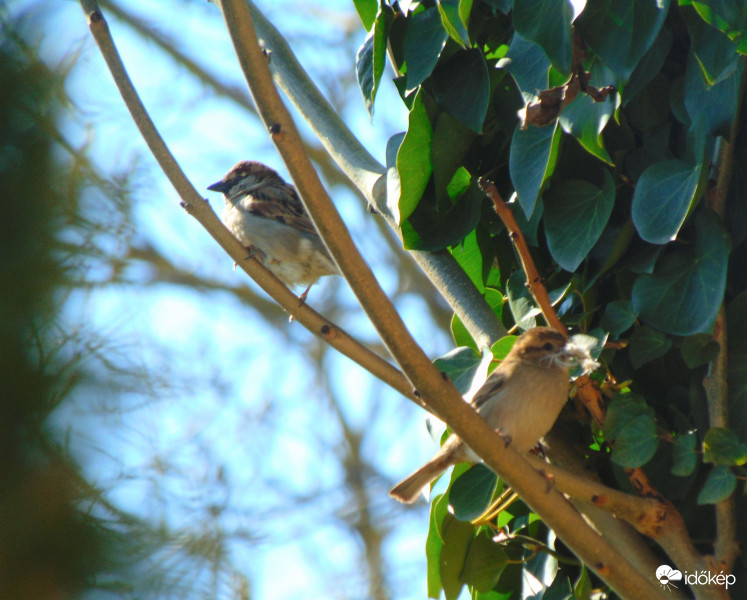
(267, 216)
(521, 399)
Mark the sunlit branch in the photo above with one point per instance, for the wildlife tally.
(434, 389)
(369, 177)
(200, 209)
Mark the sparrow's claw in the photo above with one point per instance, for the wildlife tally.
(505, 437)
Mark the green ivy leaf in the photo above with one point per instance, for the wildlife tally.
(434, 543)
(711, 108)
(432, 229)
(585, 120)
(461, 365)
(369, 63)
(520, 301)
(503, 346)
(684, 294)
(715, 52)
(623, 409)
(471, 492)
(531, 162)
(469, 255)
(621, 31)
(685, 457)
(457, 538)
(576, 213)
(528, 65)
(662, 198)
(424, 39)
(460, 334)
(367, 11)
(455, 18)
(484, 564)
(636, 443)
(461, 87)
(647, 344)
(698, 350)
(413, 160)
(721, 446)
(720, 484)
(549, 25)
(618, 317)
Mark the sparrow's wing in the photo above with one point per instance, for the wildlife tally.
(490, 388)
(282, 204)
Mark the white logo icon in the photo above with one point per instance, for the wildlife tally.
(667, 576)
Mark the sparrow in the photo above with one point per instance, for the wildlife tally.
(266, 215)
(521, 399)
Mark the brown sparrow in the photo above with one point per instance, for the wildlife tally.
(266, 215)
(521, 399)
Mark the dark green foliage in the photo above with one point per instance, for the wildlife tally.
(48, 547)
(615, 197)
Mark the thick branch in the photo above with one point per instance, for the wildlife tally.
(369, 177)
(200, 209)
(435, 390)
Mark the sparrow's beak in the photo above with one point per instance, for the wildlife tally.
(218, 186)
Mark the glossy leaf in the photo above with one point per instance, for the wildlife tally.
(455, 18)
(434, 543)
(520, 301)
(424, 39)
(720, 484)
(715, 52)
(662, 198)
(461, 365)
(721, 446)
(531, 162)
(685, 292)
(413, 159)
(618, 317)
(367, 11)
(711, 108)
(369, 63)
(636, 443)
(528, 65)
(484, 563)
(549, 25)
(461, 87)
(698, 350)
(647, 344)
(576, 213)
(457, 538)
(685, 457)
(471, 492)
(620, 32)
(623, 409)
(461, 335)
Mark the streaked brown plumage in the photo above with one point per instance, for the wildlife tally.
(521, 398)
(267, 216)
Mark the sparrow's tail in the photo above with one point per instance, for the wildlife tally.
(409, 489)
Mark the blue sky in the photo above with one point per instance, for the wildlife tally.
(236, 420)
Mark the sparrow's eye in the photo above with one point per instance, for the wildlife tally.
(548, 346)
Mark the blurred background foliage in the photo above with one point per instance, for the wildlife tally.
(167, 433)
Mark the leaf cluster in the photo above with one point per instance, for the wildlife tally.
(613, 133)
